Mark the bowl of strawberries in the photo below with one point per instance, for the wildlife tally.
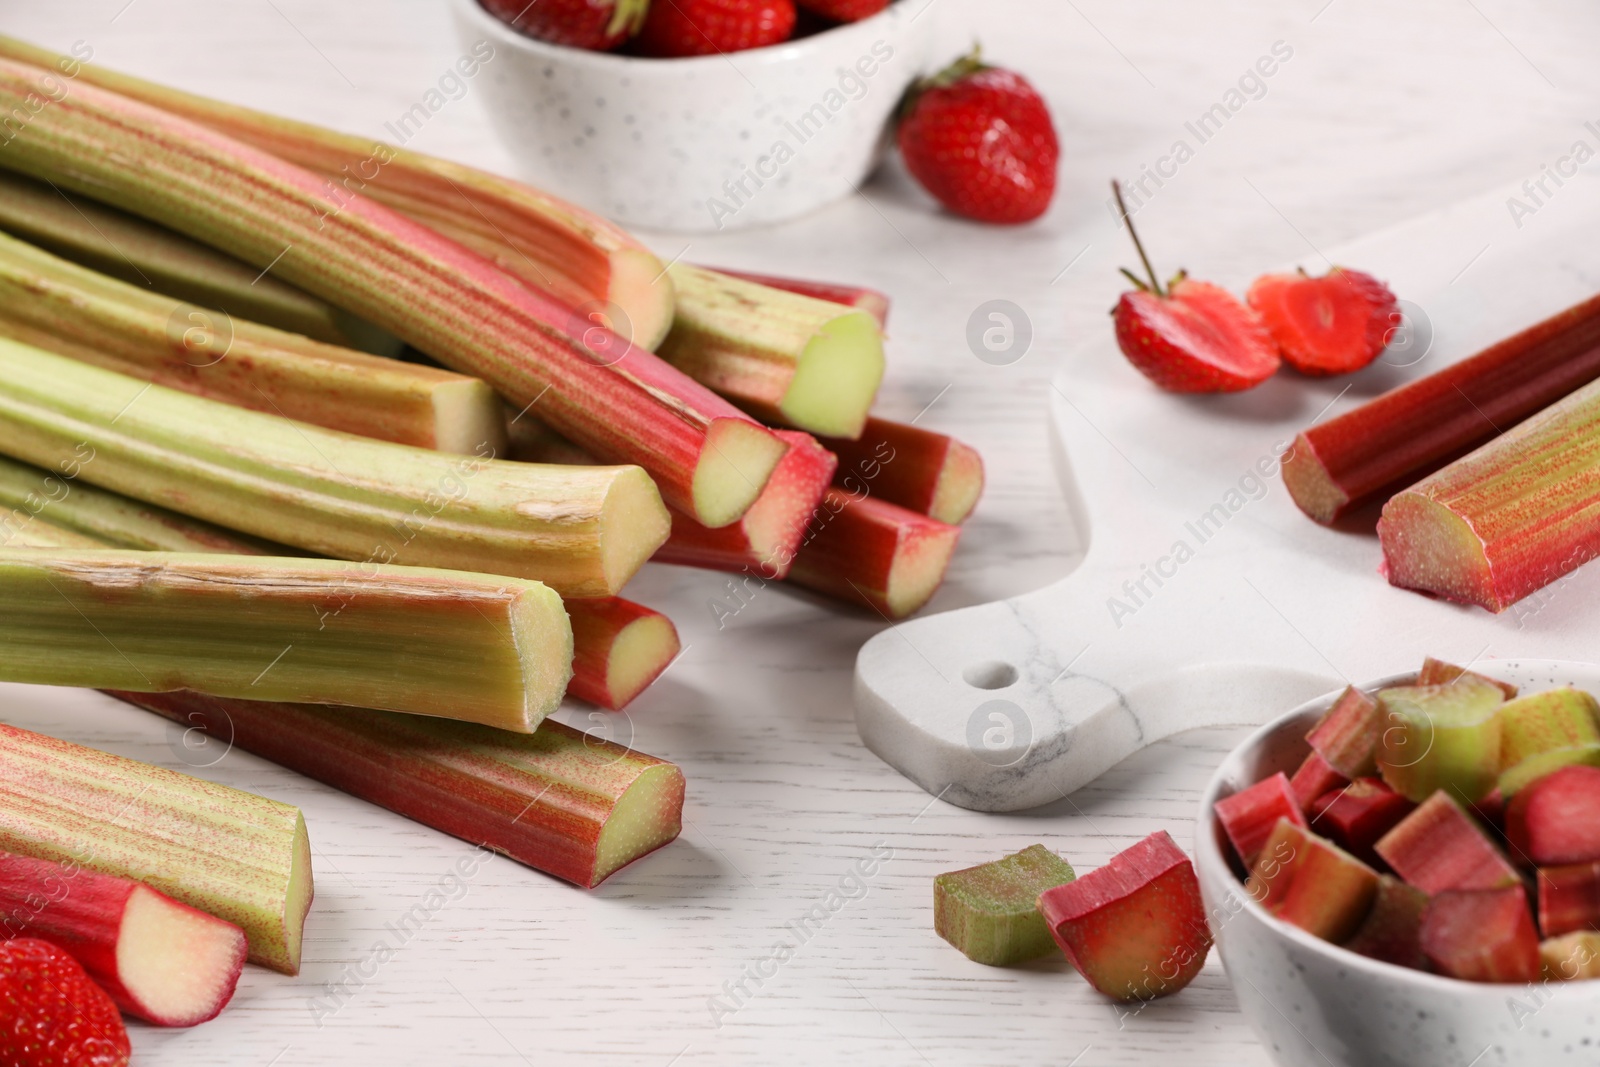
(697, 115)
(1408, 872)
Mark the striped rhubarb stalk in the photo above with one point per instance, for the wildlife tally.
(240, 857)
(474, 647)
(581, 530)
(562, 801)
(924, 471)
(869, 550)
(55, 305)
(1389, 443)
(871, 301)
(1508, 519)
(619, 649)
(616, 399)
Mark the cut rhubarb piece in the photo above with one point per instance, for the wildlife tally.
(924, 471)
(1439, 847)
(1388, 443)
(1556, 820)
(991, 912)
(1357, 815)
(583, 531)
(161, 961)
(475, 647)
(54, 305)
(575, 256)
(1347, 736)
(1335, 324)
(140, 253)
(784, 357)
(1571, 956)
(1392, 930)
(871, 301)
(619, 649)
(1438, 672)
(1508, 519)
(865, 550)
(616, 399)
(1482, 935)
(1312, 883)
(1315, 778)
(562, 801)
(1540, 722)
(1519, 776)
(1441, 737)
(51, 1012)
(1569, 898)
(1250, 816)
(231, 854)
(1135, 928)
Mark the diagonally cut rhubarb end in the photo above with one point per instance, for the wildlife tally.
(178, 966)
(735, 463)
(648, 815)
(920, 561)
(643, 649)
(1427, 546)
(467, 419)
(836, 377)
(536, 613)
(1310, 486)
(959, 486)
(644, 292)
(634, 522)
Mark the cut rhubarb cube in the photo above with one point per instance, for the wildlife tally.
(1441, 737)
(1571, 956)
(1438, 672)
(1135, 928)
(991, 912)
(1440, 847)
(1315, 778)
(1556, 820)
(1569, 898)
(1541, 722)
(1357, 815)
(1250, 815)
(1520, 776)
(1312, 883)
(1347, 736)
(1482, 935)
(1392, 930)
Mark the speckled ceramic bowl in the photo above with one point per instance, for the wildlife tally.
(1313, 1004)
(703, 144)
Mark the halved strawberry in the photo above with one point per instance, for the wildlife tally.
(1191, 337)
(1334, 324)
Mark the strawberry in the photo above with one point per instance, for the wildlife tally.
(1334, 324)
(980, 140)
(676, 28)
(844, 10)
(1192, 337)
(51, 1014)
(593, 24)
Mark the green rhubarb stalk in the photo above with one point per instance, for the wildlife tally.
(616, 399)
(562, 801)
(140, 253)
(785, 357)
(581, 530)
(52, 304)
(479, 648)
(232, 854)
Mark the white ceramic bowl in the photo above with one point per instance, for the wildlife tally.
(1313, 1004)
(708, 143)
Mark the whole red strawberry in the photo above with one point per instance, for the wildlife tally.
(51, 1014)
(1334, 324)
(676, 28)
(592, 24)
(981, 141)
(1191, 337)
(844, 10)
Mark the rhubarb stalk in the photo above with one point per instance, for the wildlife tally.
(871, 301)
(562, 801)
(240, 857)
(616, 399)
(872, 551)
(924, 471)
(619, 649)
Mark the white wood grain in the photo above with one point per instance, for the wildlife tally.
(1383, 112)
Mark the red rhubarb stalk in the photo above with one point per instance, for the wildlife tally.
(873, 551)
(619, 649)
(1392, 441)
(918, 469)
(871, 301)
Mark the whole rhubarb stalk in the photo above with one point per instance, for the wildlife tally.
(54, 305)
(927, 472)
(475, 647)
(161, 961)
(1508, 519)
(1388, 443)
(240, 857)
(869, 550)
(565, 802)
(583, 531)
(616, 399)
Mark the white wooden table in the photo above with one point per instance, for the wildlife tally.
(1382, 112)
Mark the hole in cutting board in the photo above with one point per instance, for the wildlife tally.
(991, 675)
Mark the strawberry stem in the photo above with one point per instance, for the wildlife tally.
(1127, 220)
